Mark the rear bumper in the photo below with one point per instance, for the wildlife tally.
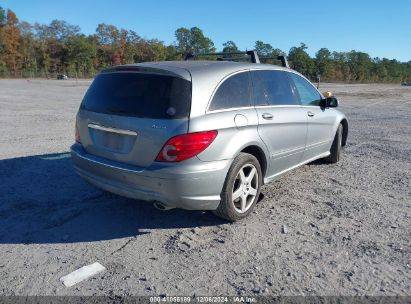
(193, 184)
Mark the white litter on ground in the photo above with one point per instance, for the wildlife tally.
(82, 273)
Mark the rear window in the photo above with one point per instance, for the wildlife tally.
(140, 95)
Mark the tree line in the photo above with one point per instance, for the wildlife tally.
(44, 50)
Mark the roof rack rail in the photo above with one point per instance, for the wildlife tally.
(253, 55)
(282, 58)
(232, 58)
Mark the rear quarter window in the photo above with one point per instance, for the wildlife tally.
(140, 95)
(234, 92)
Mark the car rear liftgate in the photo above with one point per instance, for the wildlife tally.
(127, 116)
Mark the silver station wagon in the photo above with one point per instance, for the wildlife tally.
(202, 135)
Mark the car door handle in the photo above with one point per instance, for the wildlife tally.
(311, 114)
(267, 116)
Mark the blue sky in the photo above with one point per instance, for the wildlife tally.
(379, 28)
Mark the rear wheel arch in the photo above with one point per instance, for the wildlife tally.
(259, 154)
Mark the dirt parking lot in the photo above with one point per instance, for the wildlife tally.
(348, 225)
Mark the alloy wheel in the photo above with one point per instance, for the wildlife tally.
(245, 188)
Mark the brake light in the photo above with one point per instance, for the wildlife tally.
(77, 133)
(185, 146)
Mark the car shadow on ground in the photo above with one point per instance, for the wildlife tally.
(319, 162)
(42, 200)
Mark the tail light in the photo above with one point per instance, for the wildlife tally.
(185, 146)
(77, 133)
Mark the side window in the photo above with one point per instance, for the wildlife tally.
(272, 88)
(234, 92)
(309, 96)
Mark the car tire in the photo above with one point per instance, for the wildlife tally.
(335, 150)
(241, 188)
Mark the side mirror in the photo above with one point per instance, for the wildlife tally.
(329, 102)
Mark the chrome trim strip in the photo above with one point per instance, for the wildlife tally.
(112, 130)
(254, 107)
(230, 109)
(105, 164)
(277, 106)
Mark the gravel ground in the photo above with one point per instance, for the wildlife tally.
(321, 229)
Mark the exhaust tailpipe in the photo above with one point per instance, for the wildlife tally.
(161, 206)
